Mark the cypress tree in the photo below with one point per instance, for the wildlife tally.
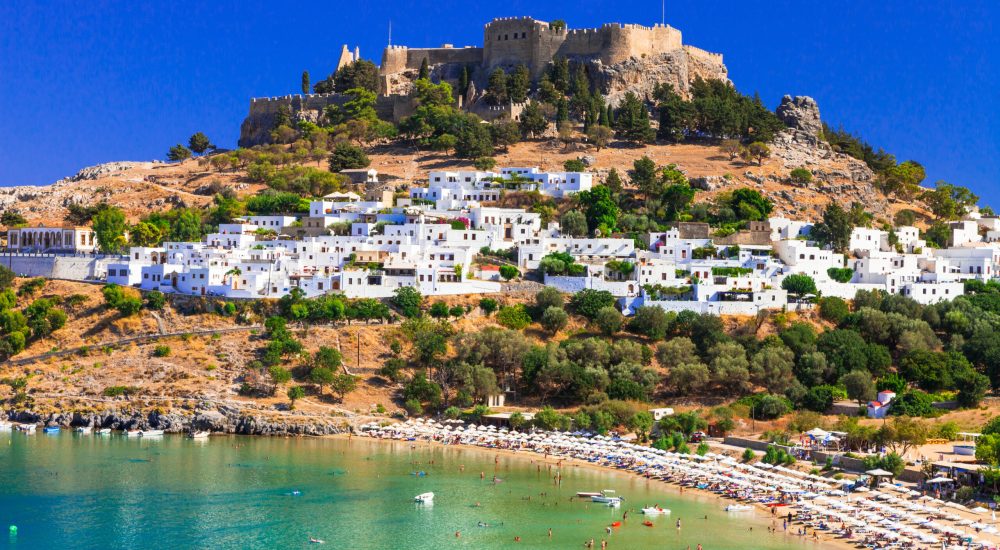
(463, 81)
(425, 70)
(305, 82)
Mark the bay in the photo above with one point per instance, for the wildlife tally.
(72, 490)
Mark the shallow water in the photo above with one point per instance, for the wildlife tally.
(86, 491)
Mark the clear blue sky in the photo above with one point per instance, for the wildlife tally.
(89, 82)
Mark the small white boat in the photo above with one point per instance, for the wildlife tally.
(150, 433)
(585, 494)
(103, 431)
(656, 511)
(424, 498)
(5, 426)
(26, 427)
(738, 507)
(614, 503)
(199, 435)
(606, 496)
(83, 429)
(132, 433)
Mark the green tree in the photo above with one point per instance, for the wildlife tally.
(801, 175)
(109, 230)
(759, 151)
(509, 272)
(949, 202)
(294, 394)
(574, 223)
(425, 71)
(485, 163)
(343, 384)
(306, 84)
(496, 88)
(554, 319)
(187, 226)
(473, 139)
(178, 153)
(599, 136)
(650, 321)
(488, 305)
(408, 300)
(632, 120)
(859, 385)
(533, 122)
(199, 143)
(588, 302)
(519, 84)
(347, 156)
(835, 229)
(600, 208)
(360, 74)
(514, 317)
(799, 284)
(609, 320)
(644, 176)
(12, 218)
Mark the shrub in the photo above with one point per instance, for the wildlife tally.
(155, 300)
(588, 302)
(912, 403)
(115, 391)
(439, 310)
(488, 305)
(485, 164)
(554, 319)
(509, 272)
(514, 317)
(413, 407)
(840, 274)
(749, 455)
(801, 175)
(161, 351)
(279, 374)
(609, 320)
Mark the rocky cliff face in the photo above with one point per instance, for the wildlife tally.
(220, 419)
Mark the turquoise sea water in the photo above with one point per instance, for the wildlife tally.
(86, 491)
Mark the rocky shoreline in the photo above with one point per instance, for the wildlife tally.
(222, 419)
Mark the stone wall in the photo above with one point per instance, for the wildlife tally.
(257, 126)
(52, 266)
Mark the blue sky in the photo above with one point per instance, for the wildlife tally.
(89, 82)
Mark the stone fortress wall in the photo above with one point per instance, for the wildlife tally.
(509, 41)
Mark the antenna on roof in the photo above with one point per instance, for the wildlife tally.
(390, 32)
(663, 12)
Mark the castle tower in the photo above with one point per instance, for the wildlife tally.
(346, 57)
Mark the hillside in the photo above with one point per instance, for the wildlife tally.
(143, 187)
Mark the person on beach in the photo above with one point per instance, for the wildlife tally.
(678, 524)
(458, 534)
(550, 532)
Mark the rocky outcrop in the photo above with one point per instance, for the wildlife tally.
(800, 113)
(220, 419)
(708, 183)
(107, 169)
(641, 75)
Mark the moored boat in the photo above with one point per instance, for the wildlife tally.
(150, 433)
(585, 494)
(26, 427)
(83, 429)
(199, 435)
(738, 507)
(655, 511)
(132, 433)
(103, 431)
(5, 426)
(607, 496)
(51, 429)
(424, 498)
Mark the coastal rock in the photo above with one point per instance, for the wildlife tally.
(800, 113)
(222, 420)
